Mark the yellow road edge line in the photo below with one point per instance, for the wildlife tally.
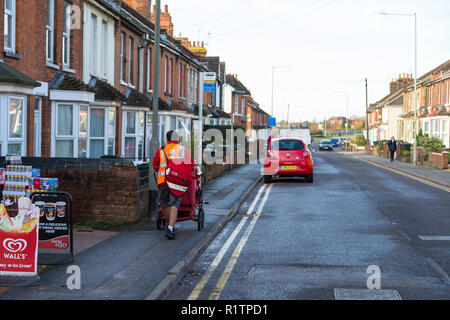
(435, 185)
(201, 284)
(229, 268)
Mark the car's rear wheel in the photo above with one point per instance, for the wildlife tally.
(310, 177)
(267, 179)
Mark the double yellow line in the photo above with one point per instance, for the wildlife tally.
(234, 257)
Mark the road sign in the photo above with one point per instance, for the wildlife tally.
(209, 82)
(272, 122)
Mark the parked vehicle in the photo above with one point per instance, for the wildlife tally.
(335, 142)
(288, 157)
(325, 145)
(302, 133)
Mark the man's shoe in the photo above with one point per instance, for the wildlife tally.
(170, 234)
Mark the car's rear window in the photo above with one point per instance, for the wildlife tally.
(325, 142)
(284, 145)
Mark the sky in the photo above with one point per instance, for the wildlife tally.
(322, 49)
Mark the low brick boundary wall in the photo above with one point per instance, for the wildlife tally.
(102, 189)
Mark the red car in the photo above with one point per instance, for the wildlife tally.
(288, 157)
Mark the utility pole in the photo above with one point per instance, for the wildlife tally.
(200, 118)
(367, 115)
(154, 142)
(415, 90)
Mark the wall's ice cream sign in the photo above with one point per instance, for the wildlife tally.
(19, 220)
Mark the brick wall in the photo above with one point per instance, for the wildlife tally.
(101, 189)
(104, 195)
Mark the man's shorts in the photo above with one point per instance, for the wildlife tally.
(167, 198)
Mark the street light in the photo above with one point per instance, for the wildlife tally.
(415, 74)
(346, 121)
(154, 141)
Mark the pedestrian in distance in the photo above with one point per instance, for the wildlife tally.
(174, 166)
(392, 144)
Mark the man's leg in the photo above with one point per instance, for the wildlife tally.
(173, 216)
(166, 212)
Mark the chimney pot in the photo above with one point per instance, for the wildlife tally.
(166, 8)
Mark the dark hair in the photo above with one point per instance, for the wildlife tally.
(171, 135)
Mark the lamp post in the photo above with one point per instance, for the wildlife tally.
(154, 141)
(416, 120)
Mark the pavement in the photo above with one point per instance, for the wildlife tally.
(136, 261)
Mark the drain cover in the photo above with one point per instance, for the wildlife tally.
(366, 294)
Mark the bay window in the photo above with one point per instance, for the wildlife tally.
(435, 128)
(444, 132)
(84, 131)
(134, 126)
(9, 30)
(12, 125)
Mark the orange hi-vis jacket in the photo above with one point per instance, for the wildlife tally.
(174, 152)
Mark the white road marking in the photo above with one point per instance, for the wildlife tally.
(435, 238)
(199, 287)
(229, 268)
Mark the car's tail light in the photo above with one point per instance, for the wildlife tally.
(306, 153)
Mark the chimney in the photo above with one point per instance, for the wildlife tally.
(142, 6)
(165, 18)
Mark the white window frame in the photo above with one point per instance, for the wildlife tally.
(5, 140)
(149, 69)
(426, 127)
(444, 131)
(11, 13)
(50, 32)
(170, 75)
(103, 48)
(75, 136)
(196, 86)
(66, 36)
(122, 57)
(137, 135)
(130, 57)
(435, 128)
(93, 44)
(165, 73)
(38, 127)
(180, 68)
